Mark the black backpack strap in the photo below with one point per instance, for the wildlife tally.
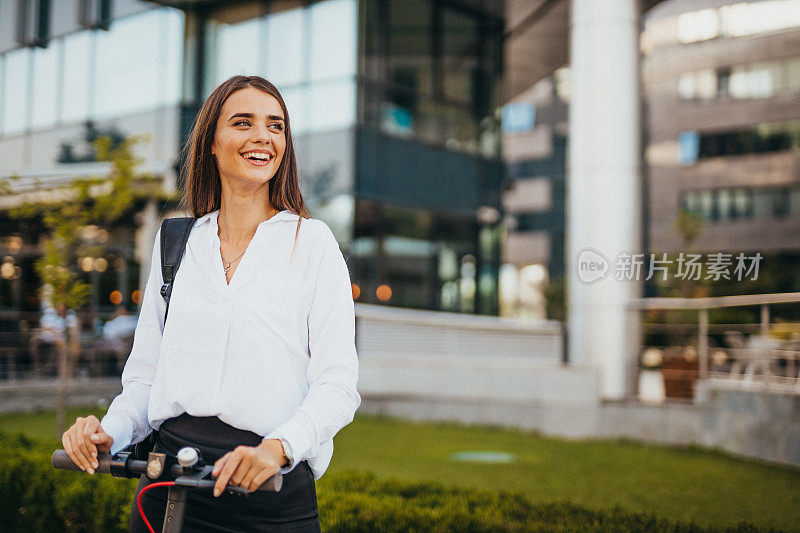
(174, 234)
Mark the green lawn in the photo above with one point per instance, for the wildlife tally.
(708, 487)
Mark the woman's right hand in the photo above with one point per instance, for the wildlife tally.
(84, 439)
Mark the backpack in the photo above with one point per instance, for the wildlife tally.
(174, 235)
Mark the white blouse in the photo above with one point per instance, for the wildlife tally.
(272, 352)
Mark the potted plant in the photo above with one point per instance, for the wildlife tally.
(681, 370)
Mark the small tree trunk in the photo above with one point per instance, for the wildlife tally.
(63, 387)
(68, 350)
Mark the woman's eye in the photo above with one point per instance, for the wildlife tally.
(275, 126)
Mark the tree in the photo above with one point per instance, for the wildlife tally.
(99, 201)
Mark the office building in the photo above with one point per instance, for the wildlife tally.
(392, 106)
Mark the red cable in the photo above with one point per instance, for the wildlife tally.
(139, 500)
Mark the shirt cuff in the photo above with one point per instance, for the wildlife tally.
(287, 449)
(298, 437)
(121, 432)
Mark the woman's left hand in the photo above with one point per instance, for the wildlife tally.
(248, 466)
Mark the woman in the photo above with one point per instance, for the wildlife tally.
(257, 364)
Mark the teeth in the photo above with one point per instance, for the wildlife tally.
(260, 157)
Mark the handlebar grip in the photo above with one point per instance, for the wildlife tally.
(273, 484)
(62, 460)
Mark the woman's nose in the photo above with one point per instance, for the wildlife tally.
(260, 133)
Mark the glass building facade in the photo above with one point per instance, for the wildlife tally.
(392, 103)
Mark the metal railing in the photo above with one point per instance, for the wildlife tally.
(747, 352)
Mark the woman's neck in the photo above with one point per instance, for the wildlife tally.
(240, 216)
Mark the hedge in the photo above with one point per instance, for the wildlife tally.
(34, 497)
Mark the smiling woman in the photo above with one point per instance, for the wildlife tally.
(249, 138)
(257, 365)
(244, 114)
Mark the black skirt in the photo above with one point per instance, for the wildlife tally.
(293, 508)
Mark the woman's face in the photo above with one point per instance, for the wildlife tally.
(250, 139)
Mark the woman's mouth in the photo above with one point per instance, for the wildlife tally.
(258, 159)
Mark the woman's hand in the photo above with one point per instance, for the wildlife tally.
(83, 440)
(248, 466)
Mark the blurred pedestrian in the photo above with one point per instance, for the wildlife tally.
(51, 335)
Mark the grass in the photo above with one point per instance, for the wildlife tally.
(708, 487)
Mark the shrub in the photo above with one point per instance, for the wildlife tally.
(35, 497)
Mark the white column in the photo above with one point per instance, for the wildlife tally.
(603, 187)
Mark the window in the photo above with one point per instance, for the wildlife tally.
(296, 99)
(89, 74)
(332, 105)
(723, 81)
(238, 50)
(430, 71)
(332, 50)
(793, 75)
(761, 79)
(724, 205)
(15, 105)
(765, 203)
(131, 79)
(794, 201)
(764, 138)
(699, 25)
(286, 47)
(699, 84)
(706, 201)
(691, 202)
(460, 55)
(46, 87)
(742, 203)
(2, 90)
(77, 78)
(308, 51)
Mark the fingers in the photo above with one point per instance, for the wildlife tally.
(91, 426)
(227, 471)
(247, 467)
(67, 442)
(247, 479)
(79, 445)
(102, 440)
(75, 444)
(260, 479)
(220, 464)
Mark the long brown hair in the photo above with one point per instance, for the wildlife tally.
(202, 190)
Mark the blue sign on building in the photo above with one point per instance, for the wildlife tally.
(688, 147)
(518, 117)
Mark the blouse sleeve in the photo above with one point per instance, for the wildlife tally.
(332, 372)
(126, 419)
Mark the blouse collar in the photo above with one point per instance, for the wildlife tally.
(281, 215)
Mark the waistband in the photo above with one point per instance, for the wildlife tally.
(211, 435)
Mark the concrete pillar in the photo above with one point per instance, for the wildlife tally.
(603, 188)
